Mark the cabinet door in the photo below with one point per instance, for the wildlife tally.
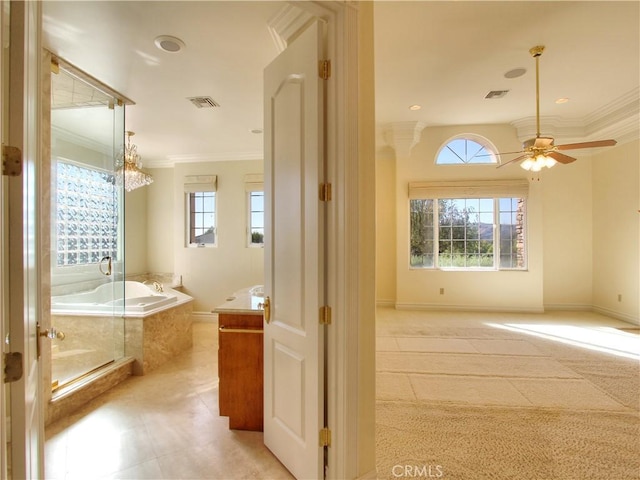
(240, 369)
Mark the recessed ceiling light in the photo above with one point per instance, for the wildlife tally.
(415, 107)
(562, 100)
(515, 73)
(169, 44)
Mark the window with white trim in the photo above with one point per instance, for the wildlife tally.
(256, 218)
(457, 225)
(467, 149)
(200, 199)
(254, 186)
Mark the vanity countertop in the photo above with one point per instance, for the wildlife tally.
(244, 303)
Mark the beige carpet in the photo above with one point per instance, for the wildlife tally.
(460, 399)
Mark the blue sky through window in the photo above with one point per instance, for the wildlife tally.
(464, 151)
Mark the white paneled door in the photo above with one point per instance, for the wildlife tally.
(20, 241)
(294, 256)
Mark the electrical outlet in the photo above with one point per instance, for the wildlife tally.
(442, 291)
(619, 297)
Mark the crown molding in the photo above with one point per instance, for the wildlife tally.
(285, 25)
(619, 120)
(401, 136)
(170, 161)
(58, 133)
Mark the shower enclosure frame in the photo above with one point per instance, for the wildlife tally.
(84, 133)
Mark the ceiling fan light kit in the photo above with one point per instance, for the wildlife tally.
(540, 152)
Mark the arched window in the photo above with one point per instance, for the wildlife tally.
(467, 149)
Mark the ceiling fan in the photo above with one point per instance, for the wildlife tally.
(540, 152)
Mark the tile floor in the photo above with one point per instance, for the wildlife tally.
(164, 425)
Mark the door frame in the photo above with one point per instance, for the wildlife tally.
(351, 245)
(4, 413)
(350, 253)
(23, 296)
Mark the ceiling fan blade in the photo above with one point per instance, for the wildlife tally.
(521, 157)
(561, 157)
(596, 143)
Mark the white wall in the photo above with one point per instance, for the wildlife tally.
(583, 232)
(208, 274)
(616, 233)
(567, 242)
(499, 290)
(135, 228)
(160, 221)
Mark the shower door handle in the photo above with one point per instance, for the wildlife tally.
(106, 272)
(51, 333)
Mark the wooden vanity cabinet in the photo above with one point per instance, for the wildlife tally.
(240, 370)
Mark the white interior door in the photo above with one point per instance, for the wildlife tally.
(27, 424)
(293, 339)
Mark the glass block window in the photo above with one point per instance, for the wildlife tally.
(86, 215)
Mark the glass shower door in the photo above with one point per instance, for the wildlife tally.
(87, 209)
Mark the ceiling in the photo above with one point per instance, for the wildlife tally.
(444, 56)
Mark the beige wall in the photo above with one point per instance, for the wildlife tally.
(160, 213)
(616, 232)
(135, 227)
(567, 244)
(385, 228)
(583, 232)
(367, 174)
(504, 290)
(155, 223)
(212, 274)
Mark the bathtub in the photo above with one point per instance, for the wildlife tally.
(138, 300)
(150, 326)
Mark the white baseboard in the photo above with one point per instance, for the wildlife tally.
(625, 317)
(385, 303)
(466, 308)
(568, 307)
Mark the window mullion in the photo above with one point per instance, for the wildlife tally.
(436, 233)
(496, 233)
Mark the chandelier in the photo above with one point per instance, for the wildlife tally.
(129, 167)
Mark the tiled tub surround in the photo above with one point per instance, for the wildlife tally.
(151, 339)
(155, 339)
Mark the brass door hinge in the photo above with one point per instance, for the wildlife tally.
(325, 315)
(11, 161)
(325, 192)
(325, 437)
(12, 367)
(324, 70)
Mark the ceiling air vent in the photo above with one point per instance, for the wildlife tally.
(496, 94)
(203, 102)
